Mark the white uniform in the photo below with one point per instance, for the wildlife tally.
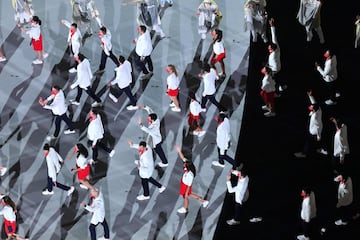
(97, 208)
(95, 130)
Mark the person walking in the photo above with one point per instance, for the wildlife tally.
(53, 160)
(154, 137)
(143, 50)
(23, 11)
(186, 183)
(123, 80)
(74, 41)
(209, 16)
(357, 31)
(83, 81)
(255, 18)
(267, 92)
(194, 116)
(341, 144)
(307, 213)
(106, 45)
(345, 199)
(219, 53)
(97, 208)
(95, 134)
(146, 168)
(172, 87)
(56, 103)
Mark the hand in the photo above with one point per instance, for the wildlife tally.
(109, 84)
(73, 170)
(130, 143)
(316, 64)
(142, 59)
(82, 204)
(141, 106)
(228, 177)
(62, 21)
(139, 121)
(134, 41)
(177, 148)
(41, 101)
(92, 146)
(309, 92)
(55, 184)
(197, 13)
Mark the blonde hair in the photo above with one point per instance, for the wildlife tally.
(173, 69)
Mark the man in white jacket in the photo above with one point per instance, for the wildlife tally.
(345, 199)
(308, 212)
(53, 160)
(95, 134)
(341, 144)
(83, 81)
(223, 138)
(74, 41)
(123, 80)
(146, 168)
(106, 45)
(97, 208)
(143, 50)
(56, 103)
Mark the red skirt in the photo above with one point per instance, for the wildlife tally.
(217, 58)
(84, 173)
(173, 92)
(37, 44)
(193, 121)
(10, 227)
(183, 189)
(268, 96)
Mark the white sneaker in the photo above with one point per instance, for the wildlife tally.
(111, 154)
(300, 155)
(337, 95)
(232, 222)
(113, 98)
(195, 133)
(37, 61)
(70, 191)
(162, 189)
(46, 192)
(142, 197)
(103, 238)
(2, 59)
(201, 133)
(175, 109)
(172, 104)
(217, 164)
(203, 110)
(68, 131)
(72, 70)
(340, 222)
(45, 55)
(282, 88)
(163, 164)
(205, 204)
(322, 151)
(74, 102)
(182, 210)
(265, 108)
(203, 36)
(302, 237)
(255, 219)
(270, 114)
(132, 107)
(330, 102)
(96, 104)
(83, 186)
(3, 171)
(49, 138)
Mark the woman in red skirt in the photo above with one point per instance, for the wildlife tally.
(186, 183)
(172, 91)
(218, 52)
(82, 167)
(8, 211)
(36, 39)
(194, 116)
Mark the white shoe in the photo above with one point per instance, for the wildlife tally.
(302, 237)
(2, 59)
(182, 210)
(282, 88)
(142, 197)
(132, 107)
(330, 102)
(71, 190)
(255, 219)
(322, 151)
(299, 155)
(103, 238)
(340, 222)
(309, 36)
(162, 189)
(3, 171)
(203, 36)
(195, 133)
(175, 109)
(232, 222)
(37, 61)
(68, 131)
(112, 97)
(203, 110)
(217, 164)
(74, 102)
(49, 138)
(265, 108)
(45, 55)
(96, 104)
(46, 192)
(270, 114)
(111, 154)
(337, 95)
(92, 162)
(172, 104)
(163, 164)
(72, 70)
(201, 133)
(205, 204)
(83, 186)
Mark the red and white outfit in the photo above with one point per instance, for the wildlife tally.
(186, 181)
(84, 167)
(194, 114)
(9, 219)
(172, 85)
(36, 37)
(219, 52)
(268, 89)
(74, 39)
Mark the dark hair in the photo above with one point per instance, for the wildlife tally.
(82, 150)
(190, 166)
(57, 87)
(8, 201)
(46, 147)
(81, 57)
(315, 106)
(221, 117)
(307, 190)
(268, 70)
(206, 67)
(153, 116)
(74, 25)
(143, 28)
(95, 111)
(36, 19)
(103, 29)
(142, 143)
(273, 46)
(192, 95)
(219, 34)
(121, 59)
(243, 172)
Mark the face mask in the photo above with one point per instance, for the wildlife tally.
(168, 70)
(141, 151)
(326, 55)
(303, 194)
(53, 92)
(270, 49)
(263, 71)
(149, 120)
(311, 108)
(72, 31)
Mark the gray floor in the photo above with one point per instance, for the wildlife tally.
(25, 125)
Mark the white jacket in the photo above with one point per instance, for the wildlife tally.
(241, 189)
(34, 32)
(316, 124)
(209, 82)
(274, 57)
(341, 145)
(146, 162)
(223, 136)
(97, 208)
(84, 75)
(95, 130)
(123, 75)
(144, 45)
(53, 160)
(308, 208)
(58, 105)
(8, 213)
(345, 193)
(74, 40)
(154, 131)
(268, 84)
(329, 73)
(106, 42)
(172, 81)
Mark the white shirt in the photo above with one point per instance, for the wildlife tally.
(81, 161)
(53, 160)
(274, 56)
(209, 82)
(316, 125)
(144, 45)
(74, 40)
(106, 42)
(341, 145)
(123, 75)
(8, 213)
(146, 162)
(84, 75)
(34, 32)
(329, 73)
(268, 84)
(95, 130)
(172, 81)
(195, 108)
(218, 47)
(345, 193)
(240, 190)
(97, 209)
(308, 208)
(188, 178)
(223, 136)
(154, 131)
(58, 105)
